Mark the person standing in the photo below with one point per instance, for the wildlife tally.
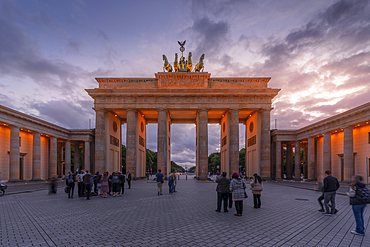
(237, 187)
(331, 185)
(174, 181)
(160, 180)
(170, 183)
(87, 184)
(104, 189)
(359, 196)
(122, 181)
(116, 182)
(256, 187)
(223, 184)
(128, 176)
(70, 182)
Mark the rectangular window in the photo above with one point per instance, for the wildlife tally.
(20, 139)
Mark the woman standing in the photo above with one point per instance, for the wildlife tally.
(237, 187)
(256, 187)
(170, 183)
(359, 196)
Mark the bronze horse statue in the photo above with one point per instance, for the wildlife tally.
(200, 65)
(167, 66)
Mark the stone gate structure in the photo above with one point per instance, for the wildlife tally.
(182, 97)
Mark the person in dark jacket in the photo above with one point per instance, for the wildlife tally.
(87, 184)
(359, 196)
(331, 185)
(70, 182)
(223, 189)
(128, 178)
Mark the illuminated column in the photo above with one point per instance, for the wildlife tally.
(311, 158)
(14, 153)
(87, 156)
(348, 153)
(162, 142)
(131, 142)
(234, 140)
(100, 140)
(265, 144)
(289, 164)
(202, 140)
(297, 160)
(278, 160)
(327, 152)
(36, 157)
(68, 158)
(76, 158)
(53, 156)
(60, 158)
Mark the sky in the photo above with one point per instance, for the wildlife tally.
(317, 52)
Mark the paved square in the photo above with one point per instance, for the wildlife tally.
(288, 217)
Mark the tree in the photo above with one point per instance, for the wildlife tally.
(175, 167)
(242, 159)
(214, 161)
(151, 161)
(192, 169)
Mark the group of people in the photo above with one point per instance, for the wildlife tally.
(172, 182)
(233, 190)
(99, 184)
(358, 194)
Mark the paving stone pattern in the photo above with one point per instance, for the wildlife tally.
(140, 217)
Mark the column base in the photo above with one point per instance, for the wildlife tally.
(36, 179)
(14, 180)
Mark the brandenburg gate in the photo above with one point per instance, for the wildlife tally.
(182, 97)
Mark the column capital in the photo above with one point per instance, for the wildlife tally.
(131, 109)
(234, 109)
(203, 109)
(162, 109)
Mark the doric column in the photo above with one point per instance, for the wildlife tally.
(60, 160)
(305, 155)
(202, 141)
(234, 141)
(131, 141)
(87, 156)
(68, 157)
(162, 141)
(278, 160)
(14, 153)
(76, 157)
(289, 164)
(53, 156)
(311, 158)
(36, 157)
(327, 152)
(348, 153)
(265, 144)
(100, 141)
(297, 161)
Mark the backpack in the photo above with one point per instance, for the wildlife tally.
(116, 180)
(78, 178)
(70, 179)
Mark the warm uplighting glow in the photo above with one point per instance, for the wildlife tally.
(367, 122)
(336, 131)
(115, 115)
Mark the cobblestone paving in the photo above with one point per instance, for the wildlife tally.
(140, 217)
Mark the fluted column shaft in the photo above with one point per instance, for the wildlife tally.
(203, 143)
(87, 156)
(234, 140)
(76, 158)
(297, 161)
(289, 164)
(265, 166)
(311, 158)
(36, 156)
(53, 156)
(131, 142)
(327, 152)
(68, 158)
(14, 154)
(278, 160)
(348, 154)
(100, 141)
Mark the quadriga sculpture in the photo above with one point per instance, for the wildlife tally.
(176, 64)
(199, 65)
(189, 64)
(167, 66)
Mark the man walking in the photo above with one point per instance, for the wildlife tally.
(159, 177)
(223, 185)
(128, 177)
(331, 185)
(70, 182)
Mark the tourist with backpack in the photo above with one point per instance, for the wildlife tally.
(87, 184)
(116, 183)
(70, 183)
(359, 196)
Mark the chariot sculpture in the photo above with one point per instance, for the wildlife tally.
(182, 65)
